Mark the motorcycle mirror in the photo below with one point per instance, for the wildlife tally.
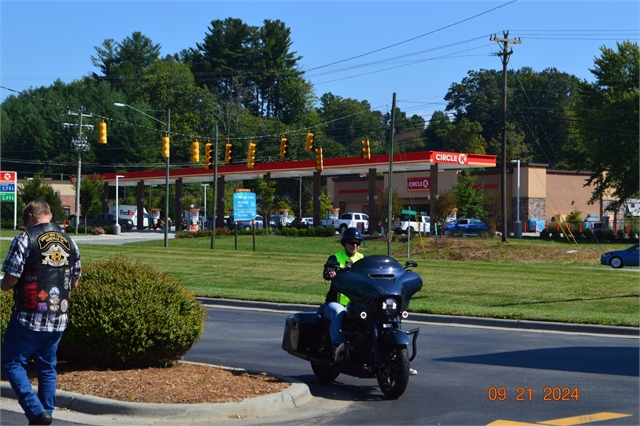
(411, 264)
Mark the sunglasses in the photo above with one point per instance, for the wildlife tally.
(354, 243)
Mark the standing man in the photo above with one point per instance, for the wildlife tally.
(42, 267)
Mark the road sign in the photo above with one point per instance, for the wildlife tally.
(7, 187)
(244, 206)
(411, 212)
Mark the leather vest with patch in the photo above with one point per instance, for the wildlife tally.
(45, 284)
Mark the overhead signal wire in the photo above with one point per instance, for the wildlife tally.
(414, 38)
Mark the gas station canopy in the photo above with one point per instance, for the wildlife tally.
(402, 162)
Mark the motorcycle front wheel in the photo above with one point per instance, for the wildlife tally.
(324, 372)
(393, 378)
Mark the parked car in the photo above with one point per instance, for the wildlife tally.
(620, 258)
(302, 222)
(204, 223)
(464, 226)
(245, 225)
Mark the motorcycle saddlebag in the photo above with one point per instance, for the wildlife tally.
(301, 330)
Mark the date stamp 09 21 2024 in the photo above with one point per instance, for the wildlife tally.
(549, 393)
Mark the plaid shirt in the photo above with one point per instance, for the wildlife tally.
(14, 265)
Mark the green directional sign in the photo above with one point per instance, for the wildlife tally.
(411, 212)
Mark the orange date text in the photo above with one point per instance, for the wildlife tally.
(549, 393)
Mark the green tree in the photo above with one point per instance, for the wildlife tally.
(91, 189)
(470, 199)
(438, 122)
(265, 194)
(463, 136)
(492, 209)
(349, 122)
(382, 208)
(536, 110)
(122, 63)
(442, 206)
(606, 124)
(34, 188)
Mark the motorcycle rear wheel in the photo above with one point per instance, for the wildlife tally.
(324, 372)
(394, 378)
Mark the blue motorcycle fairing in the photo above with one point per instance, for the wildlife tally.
(395, 337)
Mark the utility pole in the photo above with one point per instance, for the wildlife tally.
(390, 186)
(81, 145)
(214, 186)
(504, 56)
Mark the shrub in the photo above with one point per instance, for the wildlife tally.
(127, 314)
(609, 235)
(6, 304)
(97, 230)
(544, 234)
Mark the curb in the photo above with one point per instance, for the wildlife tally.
(296, 395)
(449, 319)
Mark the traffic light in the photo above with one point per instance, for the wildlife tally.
(228, 152)
(102, 127)
(251, 155)
(165, 147)
(309, 145)
(366, 150)
(284, 147)
(208, 156)
(195, 151)
(319, 165)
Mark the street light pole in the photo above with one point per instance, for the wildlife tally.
(517, 232)
(166, 204)
(116, 227)
(204, 185)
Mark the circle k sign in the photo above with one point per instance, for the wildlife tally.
(419, 184)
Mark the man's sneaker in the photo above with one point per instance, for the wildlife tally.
(338, 352)
(43, 418)
(413, 372)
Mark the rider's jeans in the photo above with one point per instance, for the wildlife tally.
(19, 344)
(334, 312)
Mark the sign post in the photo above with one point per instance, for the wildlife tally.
(8, 192)
(244, 208)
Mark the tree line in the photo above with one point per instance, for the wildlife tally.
(247, 81)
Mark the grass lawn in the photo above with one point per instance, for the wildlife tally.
(524, 279)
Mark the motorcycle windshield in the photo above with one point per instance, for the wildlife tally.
(378, 276)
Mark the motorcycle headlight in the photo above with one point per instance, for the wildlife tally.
(390, 307)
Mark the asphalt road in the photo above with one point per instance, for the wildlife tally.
(464, 373)
(461, 369)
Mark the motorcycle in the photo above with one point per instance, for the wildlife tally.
(376, 346)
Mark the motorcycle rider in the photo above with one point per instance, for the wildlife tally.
(334, 307)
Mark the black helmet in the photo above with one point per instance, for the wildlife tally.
(351, 234)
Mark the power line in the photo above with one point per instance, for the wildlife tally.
(414, 38)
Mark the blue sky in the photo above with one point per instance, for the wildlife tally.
(366, 50)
